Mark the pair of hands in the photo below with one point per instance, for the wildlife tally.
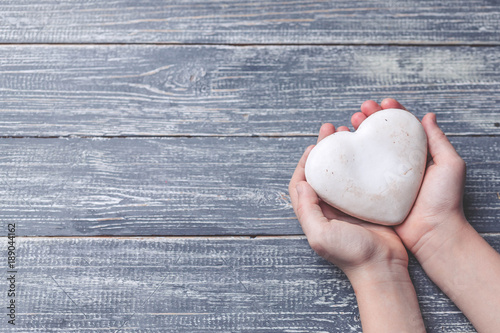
(352, 244)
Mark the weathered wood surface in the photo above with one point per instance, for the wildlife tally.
(251, 22)
(183, 186)
(238, 91)
(275, 80)
(200, 284)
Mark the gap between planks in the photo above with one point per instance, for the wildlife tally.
(375, 44)
(290, 236)
(222, 237)
(271, 135)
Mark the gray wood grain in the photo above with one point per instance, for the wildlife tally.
(397, 21)
(238, 91)
(210, 284)
(153, 179)
(183, 186)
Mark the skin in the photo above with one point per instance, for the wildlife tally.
(374, 257)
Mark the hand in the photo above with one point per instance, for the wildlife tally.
(371, 255)
(351, 244)
(456, 258)
(440, 198)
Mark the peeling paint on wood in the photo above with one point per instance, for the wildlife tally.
(130, 90)
(197, 285)
(251, 22)
(105, 71)
(183, 186)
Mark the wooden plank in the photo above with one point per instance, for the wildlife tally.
(229, 284)
(238, 91)
(256, 22)
(183, 186)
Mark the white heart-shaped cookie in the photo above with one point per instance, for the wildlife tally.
(374, 173)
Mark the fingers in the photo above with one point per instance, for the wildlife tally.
(325, 130)
(329, 129)
(391, 103)
(298, 176)
(342, 129)
(370, 107)
(309, 212)
(440, 148)
(357, 119)
(367, 109)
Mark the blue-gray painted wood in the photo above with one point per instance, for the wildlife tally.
(183, 186)
(215, 186)
(266, 284)
(251, 22)
(238, 91)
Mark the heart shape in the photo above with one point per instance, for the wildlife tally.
(375, 173)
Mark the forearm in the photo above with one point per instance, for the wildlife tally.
(387, 300)
(467, 269)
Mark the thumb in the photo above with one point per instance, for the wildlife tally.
(440, 147)
(309, 212)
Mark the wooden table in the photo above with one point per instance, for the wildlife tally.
(146, 149)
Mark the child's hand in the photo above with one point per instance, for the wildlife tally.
(372, 256)
(438, 207)
(349, 243)
(452, 253)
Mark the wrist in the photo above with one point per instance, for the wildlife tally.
(448, 259)
(378, 274)
(467, 269)
(442, 239)
(386, 298)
